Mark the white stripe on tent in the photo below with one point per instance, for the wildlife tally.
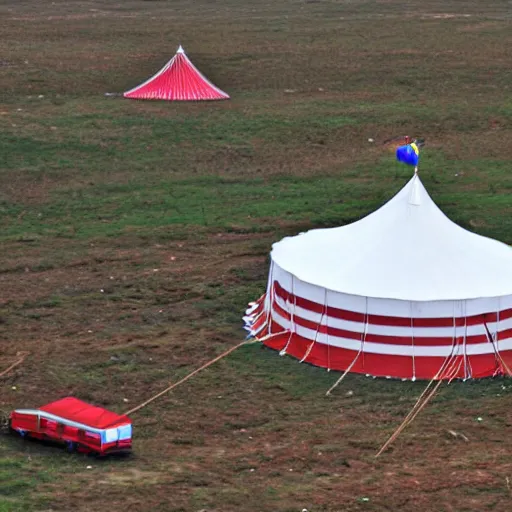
(392, 330)
(394, 350)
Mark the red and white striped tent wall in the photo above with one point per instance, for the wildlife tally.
(403, 292)
(178, 80)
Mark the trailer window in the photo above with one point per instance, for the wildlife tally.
(125, 432)
(111, 435)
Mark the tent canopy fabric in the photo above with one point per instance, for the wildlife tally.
(404, 292)
(178, 80)
(406, 250)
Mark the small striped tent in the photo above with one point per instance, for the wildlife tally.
(178, 80)
(403, 293)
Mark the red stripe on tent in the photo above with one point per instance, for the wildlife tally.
(380, 365)
(259, 322)
(392, 321)
(415, 340)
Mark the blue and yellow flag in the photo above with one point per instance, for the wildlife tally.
(408, 154)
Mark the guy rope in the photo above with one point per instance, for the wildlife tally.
(22, 356)
(176, 384)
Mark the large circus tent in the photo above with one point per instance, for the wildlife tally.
(404, 292)
(178, 80)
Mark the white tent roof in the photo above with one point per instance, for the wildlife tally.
(406, 250)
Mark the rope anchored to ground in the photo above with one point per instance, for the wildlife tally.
(17, 363)
(195, 372)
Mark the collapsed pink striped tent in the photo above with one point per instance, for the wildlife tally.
(403, 292)
(178, 80)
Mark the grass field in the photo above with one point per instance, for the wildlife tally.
(133, 235)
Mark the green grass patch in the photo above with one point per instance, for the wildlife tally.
(18, 480)
(109, 210)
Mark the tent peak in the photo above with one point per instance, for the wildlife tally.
(415, 193)
(178, 80)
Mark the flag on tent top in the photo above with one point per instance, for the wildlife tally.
(178, 80)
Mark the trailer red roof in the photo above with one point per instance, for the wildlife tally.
(81, 412)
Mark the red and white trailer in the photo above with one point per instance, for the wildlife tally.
(80, 425)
